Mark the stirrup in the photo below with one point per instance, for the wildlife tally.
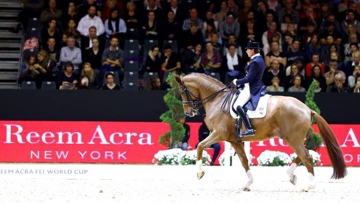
(248, 132)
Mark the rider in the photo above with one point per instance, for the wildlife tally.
(252, 87)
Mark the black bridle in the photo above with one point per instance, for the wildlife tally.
(196, 103)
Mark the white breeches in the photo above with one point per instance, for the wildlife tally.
(244, 96)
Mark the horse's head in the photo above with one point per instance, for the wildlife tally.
(190, 97)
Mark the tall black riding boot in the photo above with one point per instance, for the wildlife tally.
(238, 125)
(249, 129)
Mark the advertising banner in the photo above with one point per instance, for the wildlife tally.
(347, 135)
(126, 142)
(88, 142)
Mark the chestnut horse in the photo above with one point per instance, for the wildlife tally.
(286, 117)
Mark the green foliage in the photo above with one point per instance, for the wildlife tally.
(313, 140)
(175, 112)
(277, 161)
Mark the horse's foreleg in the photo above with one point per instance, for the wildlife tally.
(211, 139)
(291, 170)
(239, 148)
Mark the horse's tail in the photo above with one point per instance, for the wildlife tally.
(332, 146)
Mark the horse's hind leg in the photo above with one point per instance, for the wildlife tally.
(306, 158)
(239, 148)
(291, 170)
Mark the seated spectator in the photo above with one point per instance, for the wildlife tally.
(339, 85)
(153, 61)
(232, 40)
(32, 71)
(275, 53)
(153, 83)
(315, 61)
(71, 14)
(72, 54)
(50, 31)
(317, 74)
(350, 66)
(115, 26)
(90, 20)
(312, 47)
(68, 78)
(110, 84)
(113, 59)
(249, 32)
(83, 8)
(171, 27)
(209, 30)
(295, 70)
(295, 52)
(330, 31)
(88, 78)
(275, 85)
(204, 132)
(70, 29)
(354, 47)
(274, 70)
(86, 41)
(49, 65)
(231, 65)
(297, 85)
(191, 37)
(230, 26)
(192, 60)
(332, 49)
(210, 59)
(352, 78)
(170, 61)
(131, 17)
(110, 4)
(93, 55)
(356, 88)
(221, 15)
(52, 50)
(209, 18)
(216, 45)
(193, 20)
(330, 75)
(51, 13)
(151, 28)
(267, 37)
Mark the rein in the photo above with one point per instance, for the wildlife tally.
(197, 103)
(227, 100)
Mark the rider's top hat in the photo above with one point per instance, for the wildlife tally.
(253, 45)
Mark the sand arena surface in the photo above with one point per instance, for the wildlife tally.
(33, 183)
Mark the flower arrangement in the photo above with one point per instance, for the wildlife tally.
(273, 158)
(179, 157)
(313, 154)
(223, 155)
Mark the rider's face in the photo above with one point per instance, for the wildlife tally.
(250, 52)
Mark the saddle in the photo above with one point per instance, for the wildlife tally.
(249, 105)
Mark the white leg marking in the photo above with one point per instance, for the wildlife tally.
(250, 181)
(312, 182)
(199, 165)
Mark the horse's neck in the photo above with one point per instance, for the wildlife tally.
(208, 93)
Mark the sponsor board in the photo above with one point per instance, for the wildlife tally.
(88, 142)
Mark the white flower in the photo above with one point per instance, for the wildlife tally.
(273, 158)
(313, 154)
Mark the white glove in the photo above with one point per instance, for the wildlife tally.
(234, 81)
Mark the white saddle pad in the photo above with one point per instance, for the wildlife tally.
(260, 111)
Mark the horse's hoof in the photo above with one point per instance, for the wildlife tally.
(246, 189)
(200, 174)
(293, 179)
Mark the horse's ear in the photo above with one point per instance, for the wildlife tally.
(178, 79)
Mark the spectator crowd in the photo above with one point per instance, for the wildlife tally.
(123, 44)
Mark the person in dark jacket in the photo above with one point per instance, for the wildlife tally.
(185, 141)
(204, 132)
